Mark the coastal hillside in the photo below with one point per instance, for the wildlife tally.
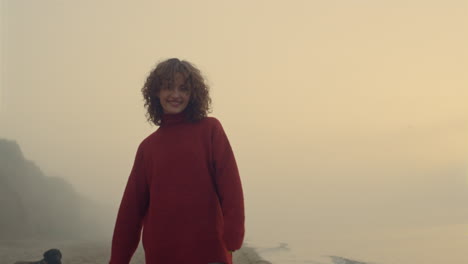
(34, 205)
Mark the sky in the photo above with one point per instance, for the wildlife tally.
(335, 109)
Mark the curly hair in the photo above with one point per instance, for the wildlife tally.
(163, 75)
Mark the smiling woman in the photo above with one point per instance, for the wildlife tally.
(174, 98)
(184, 190)
(176, 86)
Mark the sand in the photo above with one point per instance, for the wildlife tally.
(92, 252)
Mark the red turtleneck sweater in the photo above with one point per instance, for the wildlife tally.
(185, 192)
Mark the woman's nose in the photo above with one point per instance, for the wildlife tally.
(175, 92)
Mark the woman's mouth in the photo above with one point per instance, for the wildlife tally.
(175, 104)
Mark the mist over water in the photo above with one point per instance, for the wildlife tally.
(415, 245)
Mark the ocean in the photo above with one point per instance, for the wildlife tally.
(430, 245)
(446, 244)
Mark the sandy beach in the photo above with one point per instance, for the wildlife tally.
(88, 252)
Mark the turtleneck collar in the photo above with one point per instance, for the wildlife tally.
(170, 119)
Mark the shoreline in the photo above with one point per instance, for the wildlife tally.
(91, 252)
(248, 255)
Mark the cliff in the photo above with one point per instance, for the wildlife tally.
(34, 205)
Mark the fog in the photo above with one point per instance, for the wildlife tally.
(344, 116)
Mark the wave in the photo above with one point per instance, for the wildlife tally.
(341, 260)
(283, 253)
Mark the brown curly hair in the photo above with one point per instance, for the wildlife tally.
(162, 76)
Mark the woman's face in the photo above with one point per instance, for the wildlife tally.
(176, 98)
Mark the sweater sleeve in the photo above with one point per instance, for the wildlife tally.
(130, 216)
(229, 188)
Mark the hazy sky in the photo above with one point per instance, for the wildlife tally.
(334, 109)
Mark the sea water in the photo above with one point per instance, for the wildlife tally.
(428, 245)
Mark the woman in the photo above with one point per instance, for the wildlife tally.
(184, 189)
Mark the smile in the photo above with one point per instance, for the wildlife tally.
(175, 103)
